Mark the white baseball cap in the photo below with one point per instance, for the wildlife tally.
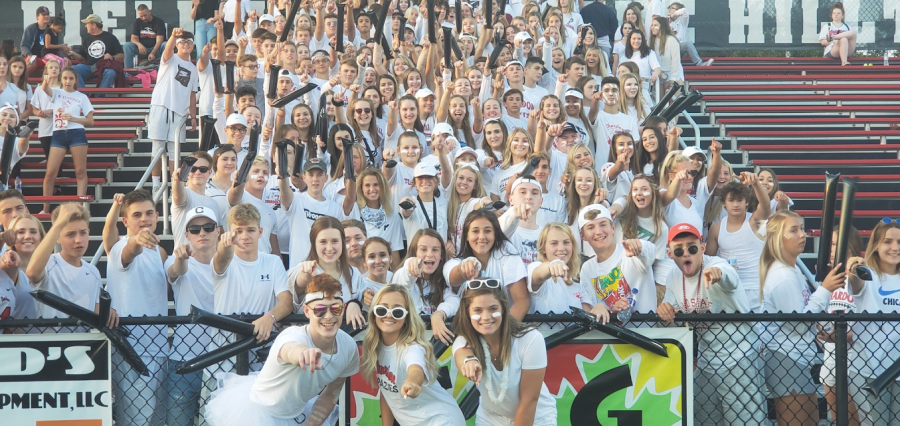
(574, 93)
(513, 62)
(692, 151)
(442, 129)
(266, 17)
(465, 150)
(236, 119)
(425, 169)
(200, 212)
(424, 93)
(603, 214)
(522, 36)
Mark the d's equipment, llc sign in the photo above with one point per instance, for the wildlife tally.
(55, 379)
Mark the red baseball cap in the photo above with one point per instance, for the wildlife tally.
(683, 228)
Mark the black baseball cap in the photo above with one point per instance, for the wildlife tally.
(42, 10)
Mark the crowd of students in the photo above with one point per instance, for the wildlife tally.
(525, 176)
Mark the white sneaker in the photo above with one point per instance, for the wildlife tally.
(707, 63)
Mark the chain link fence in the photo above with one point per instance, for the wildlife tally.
(747, 367)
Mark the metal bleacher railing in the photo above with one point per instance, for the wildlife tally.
(868, 330)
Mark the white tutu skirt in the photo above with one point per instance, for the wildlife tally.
(230, 405)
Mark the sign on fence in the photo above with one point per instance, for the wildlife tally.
(53, 379)
(714, 24)
(593, 377)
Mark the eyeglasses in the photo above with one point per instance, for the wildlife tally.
(239, 129)
(252, 66)
(320, 61)
(187, 41)
(366, 111)
(382, 311)
(320, 310)
(206, 227)
(889, 221)
(476, 283)
(201, 169)
(680, 251)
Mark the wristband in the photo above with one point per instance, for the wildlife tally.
(356, 302)
(338, 103)
(273, 315)
(470, 358)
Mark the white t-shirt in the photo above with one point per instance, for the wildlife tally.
(193, 201)
(502, 177)
(139, 289)
(74, 103)
(882, 342)
(451, 301)
(531, 99)
(194, 288)
(605, 127)
(676, 212)
(645, 230)
(553, 209)
(228, 11)
(504, 265)
(555, 295)
(41, 101)
(7, 299)
(646, 65)
(176, 81)
(283, 389)
(267, 220)
(25, 304)
(425, 213)
(78, 284)
(402, 183)
(380, 224)
(528, 352)
(272, 198)
(785, 290)
(653, 7)
(433, 406)
(526, 241)
(829, 30)
(619, 277)
(249, 287)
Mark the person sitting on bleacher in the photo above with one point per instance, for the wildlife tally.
(100, 49)
(33, 38)
(148, 37)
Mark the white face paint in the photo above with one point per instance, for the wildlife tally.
(371, 261)
(384, 260)
(644, 193)
(477, 317)
(496, 315)
(254, 176)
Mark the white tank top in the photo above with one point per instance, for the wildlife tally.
(743, 247)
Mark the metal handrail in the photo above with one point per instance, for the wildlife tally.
(694, 125)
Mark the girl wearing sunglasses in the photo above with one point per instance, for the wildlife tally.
(186, 196)
(396, 354)
(487, 252)
(361, 117)
(503, 357)
(303, 375)
(422, 274)
(328, 257)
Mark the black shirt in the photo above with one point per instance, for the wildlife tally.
(602, 18)
(54, 39)
(207, 9)
(147, 32)
(94, 47)
(33, 39)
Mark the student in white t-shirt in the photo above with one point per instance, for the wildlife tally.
(519, 148)
(303, 375)
(355, 239)
(506, 362)
(736, 239)
(9, 119)
(71, 111)
(136, 283)
(186, 196)
(374, 208)
(251, 192)
(428, 210)
(709, 284)
(608, 120)
(376, 254)
(29, 232)
(526, 192)
(246, 280)
(642, 218)
(397, 355)
(788, 354)
(65, 274)
(173, 97)
(487, 252)
(189, 273)
(621, 275)
(675, 180)
(328, 256)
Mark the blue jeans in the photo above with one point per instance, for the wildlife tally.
(203, 33)
(84, 73)
(131, 50)
(139, 399)
(183, 396)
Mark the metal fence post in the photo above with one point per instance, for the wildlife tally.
(842, 417)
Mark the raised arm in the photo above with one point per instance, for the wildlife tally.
(37, 266)
(110, 227)
(170, 46)
(715, 165)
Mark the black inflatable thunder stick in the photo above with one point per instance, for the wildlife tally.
(186, 164)
(289, 23)
(209, 139)
(826, 233)
(229, 76)
(217, 76)
(273, 81)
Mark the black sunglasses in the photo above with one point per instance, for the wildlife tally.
(680, 251)
(206, 227)
(201, 169)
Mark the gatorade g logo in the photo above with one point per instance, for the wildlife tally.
(584, 407)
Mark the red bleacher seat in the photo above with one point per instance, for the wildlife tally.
(69, 165)
(819, 147)
(58, 198)
(98, 136)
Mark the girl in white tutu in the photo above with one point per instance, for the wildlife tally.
(302, 362)
(397, 355)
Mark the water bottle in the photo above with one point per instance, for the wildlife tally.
(886, 59)
(625, 314)
(18, 184)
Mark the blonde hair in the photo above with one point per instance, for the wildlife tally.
(83, 214)
(243, 214)
(574, 262)
(507, 150)
(873, 258)
(260, 160)
(384, 198)
(773, 248)
(454, 204)
(573, 206)
(672, 159)
(638, 98)
(40, 226)
(411, 334)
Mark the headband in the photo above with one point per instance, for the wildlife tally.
(464, 164)
(520, 181)
(318, 295)
(7, 105)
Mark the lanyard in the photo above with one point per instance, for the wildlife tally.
(369, 152)
(433, 212)
(699, 296)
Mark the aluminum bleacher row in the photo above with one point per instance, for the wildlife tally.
(802, 117)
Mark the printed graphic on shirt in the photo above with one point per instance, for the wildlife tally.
(386, 378)
(374, 217)
(644, 234)
(148, 32)
(611, 287)
(97, 49)
(528, 252)
(183, 76)
(313, 215)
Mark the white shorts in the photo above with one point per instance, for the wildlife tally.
(161, 126)
(785, 375)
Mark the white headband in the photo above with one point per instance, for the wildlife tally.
(318, 295)
(520, 181)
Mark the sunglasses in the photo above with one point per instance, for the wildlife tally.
(889, 221)
(320, 310)
(201, 169)
(363, 111)
(382, 311)
(206, 227)
(475, 284)
(680, 251)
